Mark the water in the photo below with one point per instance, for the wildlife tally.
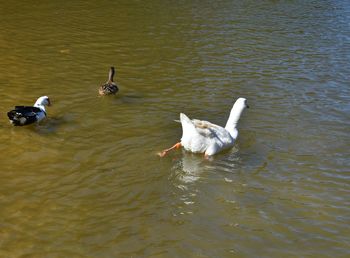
(88, 183)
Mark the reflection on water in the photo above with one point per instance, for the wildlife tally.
(87, 182)
(188, 169)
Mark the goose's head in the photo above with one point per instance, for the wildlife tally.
(235, 114)
(240, 104)
(43, 101)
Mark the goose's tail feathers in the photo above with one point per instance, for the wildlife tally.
(188, 128)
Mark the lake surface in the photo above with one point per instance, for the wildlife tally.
(88, 182)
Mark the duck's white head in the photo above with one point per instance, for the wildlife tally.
(42, 101)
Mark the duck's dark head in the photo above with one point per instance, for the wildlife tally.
(111, 74)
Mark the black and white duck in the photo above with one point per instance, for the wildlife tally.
(25, 115)
(110, 87)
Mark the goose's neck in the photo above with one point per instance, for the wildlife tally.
(231, 125)
(111, 74)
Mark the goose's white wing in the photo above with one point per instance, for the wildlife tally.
(203, 136)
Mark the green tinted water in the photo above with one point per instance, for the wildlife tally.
(88, 183)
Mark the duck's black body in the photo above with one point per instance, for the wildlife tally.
(110, 87)
(24, 115)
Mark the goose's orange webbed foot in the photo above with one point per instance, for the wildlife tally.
(165, 152)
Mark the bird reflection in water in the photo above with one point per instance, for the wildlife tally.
(188, 168)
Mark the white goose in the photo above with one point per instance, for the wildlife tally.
(204, 137)
(25, 115)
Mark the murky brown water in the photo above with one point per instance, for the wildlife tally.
(87, 183)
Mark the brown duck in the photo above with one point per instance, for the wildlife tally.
(110, 87)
